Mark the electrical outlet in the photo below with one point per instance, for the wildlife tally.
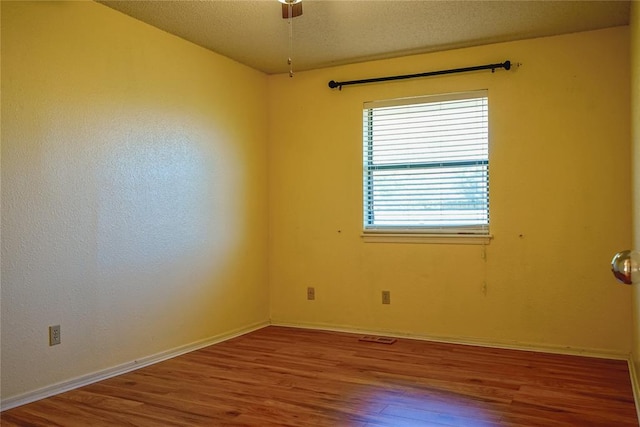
(54, 335)
(311, 293)
(386, 297)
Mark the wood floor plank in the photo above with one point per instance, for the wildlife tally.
(280, 376)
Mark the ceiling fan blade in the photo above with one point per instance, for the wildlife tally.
(296, 10)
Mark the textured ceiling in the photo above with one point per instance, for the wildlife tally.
(335, 32)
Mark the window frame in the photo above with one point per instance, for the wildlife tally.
(462, 234)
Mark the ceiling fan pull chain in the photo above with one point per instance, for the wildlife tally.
(289, 12)
(289, 61)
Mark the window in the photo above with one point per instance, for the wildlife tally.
(425, 165)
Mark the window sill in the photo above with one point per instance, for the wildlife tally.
(429, 238)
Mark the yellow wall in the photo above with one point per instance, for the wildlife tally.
(635, 136)
(559, 194)
(133, 192)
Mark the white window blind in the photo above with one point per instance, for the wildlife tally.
(425, 164)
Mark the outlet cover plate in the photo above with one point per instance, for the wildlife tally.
(386, 297)
(54, 335)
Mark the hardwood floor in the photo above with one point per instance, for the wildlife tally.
(294, 377)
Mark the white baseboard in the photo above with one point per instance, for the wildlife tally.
(94, 377)
(634, 385)
(540, 348)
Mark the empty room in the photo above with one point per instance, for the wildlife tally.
(320, 213)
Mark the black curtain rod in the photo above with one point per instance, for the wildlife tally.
(506, 65)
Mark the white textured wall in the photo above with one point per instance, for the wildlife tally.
(133, 192)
